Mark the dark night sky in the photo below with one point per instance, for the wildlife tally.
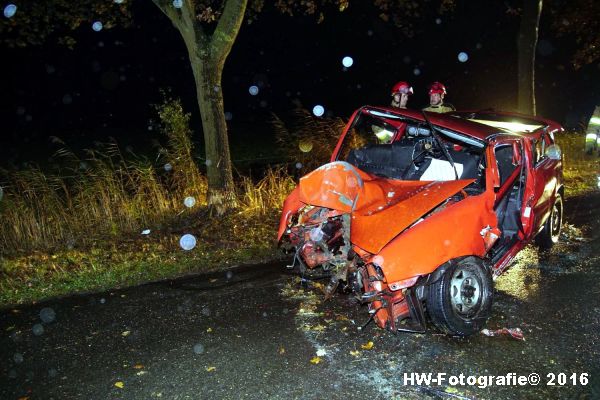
(107, 84)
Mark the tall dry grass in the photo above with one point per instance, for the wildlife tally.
(107, 194)
(307, 139)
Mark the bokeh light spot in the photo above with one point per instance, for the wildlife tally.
(97, 26)
(347, 62)
(198, 348)
(318, 110)
(305, 145)
(187, 242)
(10, 11)
(189, 202)
(38, 329)
(253, 90)
(47, 315)
(463, 57)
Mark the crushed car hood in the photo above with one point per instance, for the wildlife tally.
(380, 208)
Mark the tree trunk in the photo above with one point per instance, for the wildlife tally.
(527, 42)
(207, 54)
(221, 191)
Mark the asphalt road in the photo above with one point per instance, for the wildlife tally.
(258, 333)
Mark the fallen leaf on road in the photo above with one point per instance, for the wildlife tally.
(367, 346)
(140, 373)
(451, 390)
(138, 366)
(213, 280)
(119, 384)
(281, 350)
(355, 353)
(315, 360)
(209, 330)
(126, 333)
(321, 352)
(211, 369)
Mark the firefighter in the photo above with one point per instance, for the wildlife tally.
(592, 135)
(400, 93)
(437, 91)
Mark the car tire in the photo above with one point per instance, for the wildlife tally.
(550, 233)
(460, 301)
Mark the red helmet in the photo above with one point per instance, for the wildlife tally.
(402, 87)
(437, 87)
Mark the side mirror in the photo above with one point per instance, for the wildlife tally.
(553, 152)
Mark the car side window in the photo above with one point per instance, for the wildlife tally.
(505, 159)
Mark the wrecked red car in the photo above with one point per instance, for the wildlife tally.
(417, 213)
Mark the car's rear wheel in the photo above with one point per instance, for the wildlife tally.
(550, 233)
(460, 301)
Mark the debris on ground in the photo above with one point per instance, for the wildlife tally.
(515, 333)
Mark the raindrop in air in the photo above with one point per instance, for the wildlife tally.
(118, 1)
(38, 329)
(187, 242)
(263, 103)
(146, 232)
(206, 311)
(438, 21)
(20, 110)
(347, 62)
(208, 163)
(52, 372)
(189, 202)
(168, 167)
(102, 300)
(10, 10)
(228, 275)
(298, 165)
(264, 314)
(478, 46)
(50, 69)
(177, 3)
(318, 110)
(18, 358)
(462, 56)
(253, 90)
(370, 32)
(67, 99)
(198, 348)
(417, 71)
(228, 116)
(97, 26)
(47, 315)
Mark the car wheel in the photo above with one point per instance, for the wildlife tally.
(550, 233)
(460, 301)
